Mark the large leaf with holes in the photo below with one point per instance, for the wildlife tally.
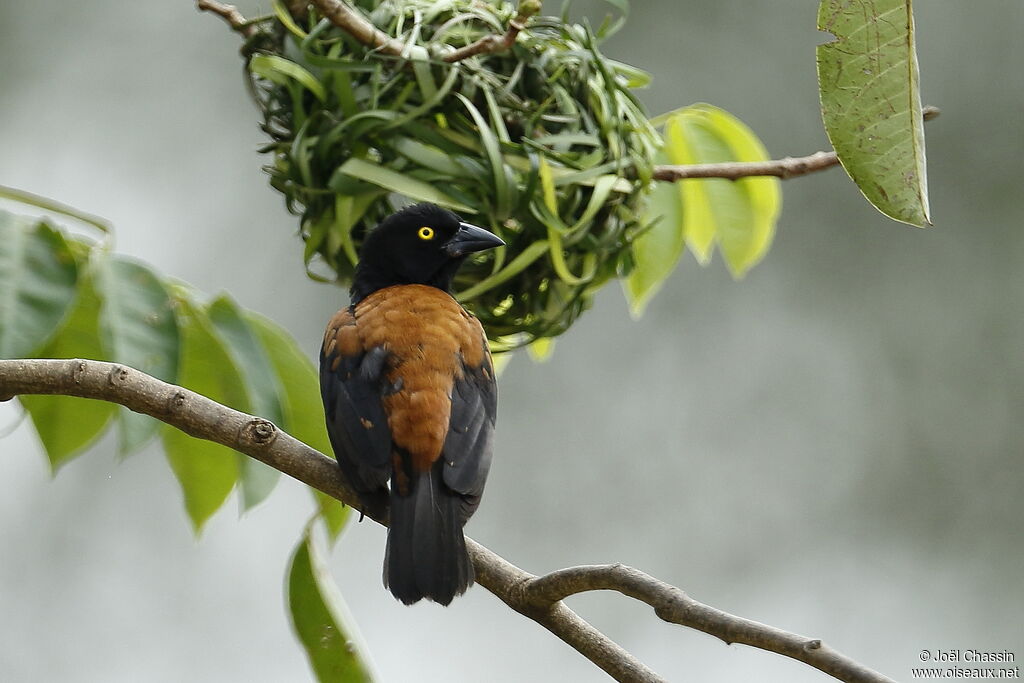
(37, 284)
(67, 425)
(138, 328)
(206, 471)
(321, 619)
(871, 102)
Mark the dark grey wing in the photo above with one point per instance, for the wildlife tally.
(470, 440)
(352, 382)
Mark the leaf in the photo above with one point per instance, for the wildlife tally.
(299, 381)
(66, 426)
(285, 17)
(280, 70)
(333, 512)
(739, 214)
(513, 268)
(53, 206)
(656, 252)
(500, 175)
(261, 387)
(541, 349)
(398, 182)
(871, 102)
(303, 410)
(207, 471)
(138, 329)
(37, 284)
(321, 620)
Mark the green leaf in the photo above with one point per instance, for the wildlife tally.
(398, 182)
(321, 620)
(280, 70)
(66, 426)
(513, 268)
(428, 156)
(303, 410)
(53, 206)
(656, 252)
(261, 387)
(37, 284)
(285, 17)
(138, 329)
(739, 214)
(333, 512)
(499, 173)
(871, 102)
(207, 471)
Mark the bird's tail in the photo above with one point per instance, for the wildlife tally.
(426, 553)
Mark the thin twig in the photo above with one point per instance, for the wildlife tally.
(355, 24)
(351, 21)
(780, 168)
(539, 598)
(230, 14)
(674, 606)
(733, 170)
(494, 42)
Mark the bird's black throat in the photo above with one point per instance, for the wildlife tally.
(371, 277)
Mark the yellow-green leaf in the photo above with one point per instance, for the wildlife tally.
(738, 215)
(207, 471)
(656, 252)
(66, 426)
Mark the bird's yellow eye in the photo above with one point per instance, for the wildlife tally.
(426, 233)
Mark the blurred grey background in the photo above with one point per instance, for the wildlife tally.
(832, 446)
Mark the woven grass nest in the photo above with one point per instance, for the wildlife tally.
(543, 143)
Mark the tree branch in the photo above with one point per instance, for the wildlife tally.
(780, 168)
(355, 24)
(494, 42)
(351, 21)
(230, 14)
(537, 597)
(733, 170)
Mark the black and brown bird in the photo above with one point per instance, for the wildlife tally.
(410, 396)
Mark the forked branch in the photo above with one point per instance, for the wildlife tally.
(230, 14)
(538, 597)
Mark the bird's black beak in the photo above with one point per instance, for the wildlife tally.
(469, 239)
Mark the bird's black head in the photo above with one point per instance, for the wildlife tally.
(422, 244)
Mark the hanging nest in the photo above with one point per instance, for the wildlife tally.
(543, 143)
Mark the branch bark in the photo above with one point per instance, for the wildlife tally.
(355, 24)
(228, 13)
(351, 21)
(733, 170)
(538, 597)
(495, 42)
(780, 168)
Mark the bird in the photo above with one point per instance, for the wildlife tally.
(410, 396)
